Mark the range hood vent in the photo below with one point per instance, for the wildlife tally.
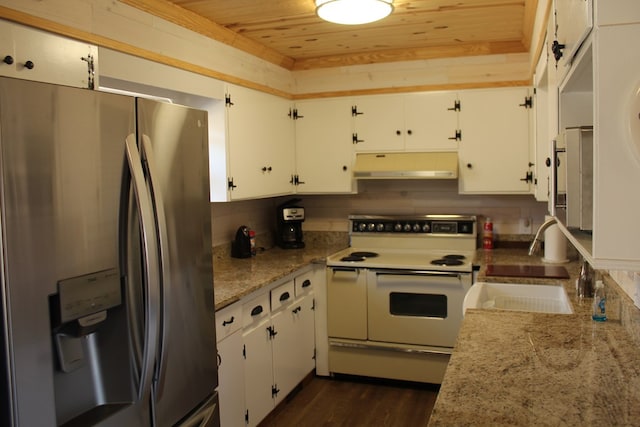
(437, 165)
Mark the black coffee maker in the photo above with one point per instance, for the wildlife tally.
(289, 225)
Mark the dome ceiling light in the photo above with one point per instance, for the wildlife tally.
(353, 12)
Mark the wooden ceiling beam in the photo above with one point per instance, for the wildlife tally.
(466, 49)
(191, 21)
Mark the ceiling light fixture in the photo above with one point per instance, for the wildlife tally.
(353, 12)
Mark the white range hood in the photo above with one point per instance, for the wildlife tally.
(436, 165)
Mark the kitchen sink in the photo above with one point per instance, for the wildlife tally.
(518, 297)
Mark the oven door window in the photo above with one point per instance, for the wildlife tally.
(418, 305)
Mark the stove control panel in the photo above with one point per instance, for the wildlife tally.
(443, 224)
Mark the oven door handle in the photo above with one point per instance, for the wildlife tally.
(418, 273)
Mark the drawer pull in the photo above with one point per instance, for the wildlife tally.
(284, 296)
(228, 322)
(296, 310)
(306, 283)
(256, 310)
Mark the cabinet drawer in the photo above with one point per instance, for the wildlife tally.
(255, 310)
(282, 295)
(228, 320)
(304, 284)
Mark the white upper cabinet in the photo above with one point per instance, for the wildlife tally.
(324, 147)
(494, 152)
(545, 106)
(379, 123)
(431, 121)
(260, 144)
(425, 121)
(573, 22)
(29, 54)
(602, 90)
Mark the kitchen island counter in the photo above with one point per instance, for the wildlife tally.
(235, 278)
(518, 368)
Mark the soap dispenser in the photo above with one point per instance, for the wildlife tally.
(599, 300)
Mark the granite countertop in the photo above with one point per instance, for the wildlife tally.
(235, 278)
(517, 368)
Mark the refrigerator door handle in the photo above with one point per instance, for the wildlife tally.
(158, 205)
(151, 266)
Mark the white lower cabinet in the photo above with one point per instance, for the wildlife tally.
(278, 344)
(230, 366)
(258, 359)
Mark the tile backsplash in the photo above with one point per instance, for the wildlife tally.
(511, 214)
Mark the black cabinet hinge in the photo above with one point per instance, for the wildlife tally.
(355, 112)
(244, 351)
(528, 102)
(230, 184)
(457, 137)
(246, 416)
(355, 140)
(227, 101)
(456, 106)
(294, 114)
(556, 48)
(274, 390)
(295, 180)
(272, 331)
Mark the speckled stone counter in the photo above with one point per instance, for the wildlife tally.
(235, 278)
(516, 368)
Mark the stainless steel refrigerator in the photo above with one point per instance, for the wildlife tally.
(107, 276)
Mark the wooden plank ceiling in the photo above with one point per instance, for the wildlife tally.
(289, 33)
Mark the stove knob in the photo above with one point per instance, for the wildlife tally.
(362, 226)
(371, 226)
(416, 227)
(425, 228)
(407, 227)
(380, 227)
(397, 227)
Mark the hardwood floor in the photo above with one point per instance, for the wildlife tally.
(354, 401)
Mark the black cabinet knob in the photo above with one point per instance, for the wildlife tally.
(548, 162)
(8, 60)
(398, 132)
(344, 168)
(469, 166)
(409, 132)
(29, 65)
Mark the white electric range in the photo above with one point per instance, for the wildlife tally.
(395, 295)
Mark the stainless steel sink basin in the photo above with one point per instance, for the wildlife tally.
(518, 297)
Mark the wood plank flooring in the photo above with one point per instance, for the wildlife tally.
(355, 401)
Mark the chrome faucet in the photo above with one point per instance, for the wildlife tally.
(536, 240)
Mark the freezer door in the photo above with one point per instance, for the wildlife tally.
(173, 143)
(62, 163)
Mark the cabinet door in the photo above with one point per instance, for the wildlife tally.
(379, 123)
(286, 351)
(45, 57)
(494, 151)
(616, 148)
(231, 381)
(324, 147)
(260, 144)
(574, 20)
(258, 372)
(431, 121)
(304, 321)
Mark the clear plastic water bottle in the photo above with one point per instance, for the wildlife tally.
(599, 301)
